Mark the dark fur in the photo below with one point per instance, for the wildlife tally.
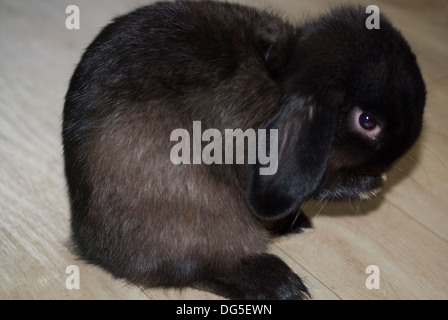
(159, 68)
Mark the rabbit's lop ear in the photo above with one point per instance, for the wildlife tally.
(305, 132)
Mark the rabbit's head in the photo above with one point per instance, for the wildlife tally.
(353, 104)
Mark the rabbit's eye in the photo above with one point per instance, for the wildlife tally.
(365, 124)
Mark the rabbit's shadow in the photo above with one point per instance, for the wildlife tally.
(400, 170)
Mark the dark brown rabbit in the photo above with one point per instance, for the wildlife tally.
(346, 101)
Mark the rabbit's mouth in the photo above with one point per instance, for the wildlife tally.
(348, 187)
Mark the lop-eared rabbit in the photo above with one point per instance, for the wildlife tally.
(345, 101)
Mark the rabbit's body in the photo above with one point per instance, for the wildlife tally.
(155, 223)
(148, 219)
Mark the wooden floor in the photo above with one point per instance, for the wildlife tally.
(404, 231)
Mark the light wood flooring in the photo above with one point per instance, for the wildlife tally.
(404, 231)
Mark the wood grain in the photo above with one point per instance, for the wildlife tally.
(404, 231)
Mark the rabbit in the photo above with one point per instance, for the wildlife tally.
(346, 103)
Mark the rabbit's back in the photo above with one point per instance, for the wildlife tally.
(154, 70)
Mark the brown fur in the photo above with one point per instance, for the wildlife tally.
(163, 66)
